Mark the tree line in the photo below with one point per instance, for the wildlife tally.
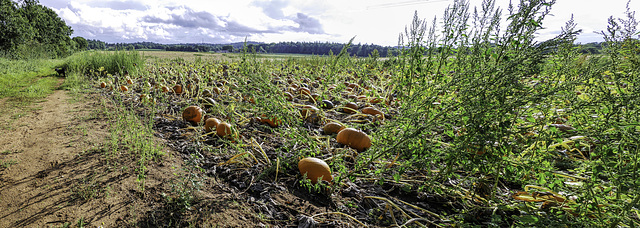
(311, 48)
(31, 30)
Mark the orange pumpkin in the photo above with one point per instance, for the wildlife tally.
(373, 111)
(355, 139)
(304, 91)
(192, 114)
(210, 124)
(308, 110)
(165, 89)
(177, 89)
(124, 88)
(332, 128)
(273, 122)
(351, 107)
(217, 90)
(376, 100)
(288, 96)
(103, 85)
(207, 93)
(315, 168)
(223, 129)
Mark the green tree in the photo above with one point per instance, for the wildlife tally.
(14, 28)
(82, 43)
(49, 29)
(228, 48)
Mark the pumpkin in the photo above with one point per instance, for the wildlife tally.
(210, 124)
(177, 89)
(332, 128)
(165, 89)
(376, 100)
(223, 129)
(373, 111)
(326, 104)
(207, 93)
(103, 85)
(192, 114)
(315, 168)
(307, 110)
(353, 138)
(209, 102)
(313, 97)
(304, 91)
(129, 81)
(249, 99)
(124, 88)
(351, 107)
(217, 90)
(288, 96)
(273, 122)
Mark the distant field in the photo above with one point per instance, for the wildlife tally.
(188, 56)
(191, 56)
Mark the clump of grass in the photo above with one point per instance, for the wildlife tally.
(130, 134)
(100, 63)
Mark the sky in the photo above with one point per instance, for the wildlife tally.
(370, 21)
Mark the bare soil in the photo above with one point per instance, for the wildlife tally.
(54, 171)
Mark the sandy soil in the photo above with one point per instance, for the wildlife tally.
(54, 170)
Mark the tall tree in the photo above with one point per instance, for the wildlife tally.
(49, 29)
(81, 43)
(14, 28)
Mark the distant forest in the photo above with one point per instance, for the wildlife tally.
(311, 48)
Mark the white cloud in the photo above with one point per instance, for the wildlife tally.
(372, 21)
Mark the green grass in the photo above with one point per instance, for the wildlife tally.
(27, 80)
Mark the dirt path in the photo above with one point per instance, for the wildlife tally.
(54, 172)
(41, 149)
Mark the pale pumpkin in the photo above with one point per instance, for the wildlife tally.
(355, 139)
(315, 169)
